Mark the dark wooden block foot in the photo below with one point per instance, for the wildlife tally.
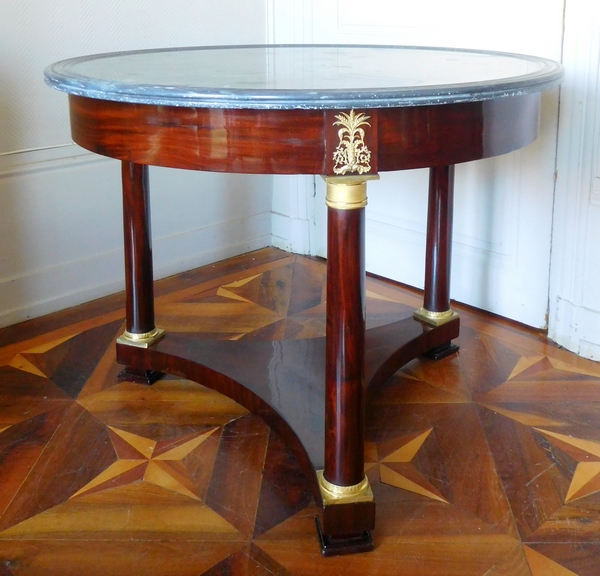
(348, 544)
(138, 376)
(441, 351)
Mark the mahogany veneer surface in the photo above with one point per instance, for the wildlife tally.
(301, 141)
(484, 463)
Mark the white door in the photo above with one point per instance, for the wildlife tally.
(503, 213)
(575, 280)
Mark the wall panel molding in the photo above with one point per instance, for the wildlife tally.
(58, 287)
(459, 24)
(292, 220)
(34, 34)
(575, 274)
(503, 216)
(61, 231)
(60, 206)
(292, 213)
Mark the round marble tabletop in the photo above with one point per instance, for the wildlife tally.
(303, 76)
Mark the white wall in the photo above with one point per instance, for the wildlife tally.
(503, 216)
(575, 271)
(60, 230)
(294, 206)
(60, 234)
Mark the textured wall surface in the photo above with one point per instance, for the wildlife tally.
(34, 34)
(575, 273)
(504, 205)
(60, 230)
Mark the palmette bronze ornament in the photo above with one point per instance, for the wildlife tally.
(352, 154)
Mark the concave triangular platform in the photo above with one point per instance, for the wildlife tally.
(283, 381)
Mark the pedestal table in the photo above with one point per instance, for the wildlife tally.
(347, 113)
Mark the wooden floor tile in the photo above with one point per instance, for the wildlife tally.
(451, 557)
(237, 473)
(564, 559)
(168, 402)
(76, 453)
(285, 489)
(250, 561)
(486, 463)
(137, 511)
(114, 557)
(21, 445)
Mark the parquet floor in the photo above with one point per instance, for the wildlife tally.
(485, 463)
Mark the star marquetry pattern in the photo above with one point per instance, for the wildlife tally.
(144, 459)
(396, 469)
(586, 480)
(543, 366)
(29, 360)
(229, 290)
(542, 566)
(493, 452)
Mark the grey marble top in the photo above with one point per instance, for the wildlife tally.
(302, 76)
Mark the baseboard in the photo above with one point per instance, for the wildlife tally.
(291, 234)
(56, 288)
(576, 328)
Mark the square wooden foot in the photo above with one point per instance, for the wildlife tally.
(441, 351)
(138, 376)
(340, 545)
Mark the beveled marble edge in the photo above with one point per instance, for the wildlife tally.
(196, 97)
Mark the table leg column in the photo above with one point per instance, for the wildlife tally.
(436, 303)
(348, 508)
(140, 330)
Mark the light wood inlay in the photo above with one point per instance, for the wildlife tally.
(484, 463)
